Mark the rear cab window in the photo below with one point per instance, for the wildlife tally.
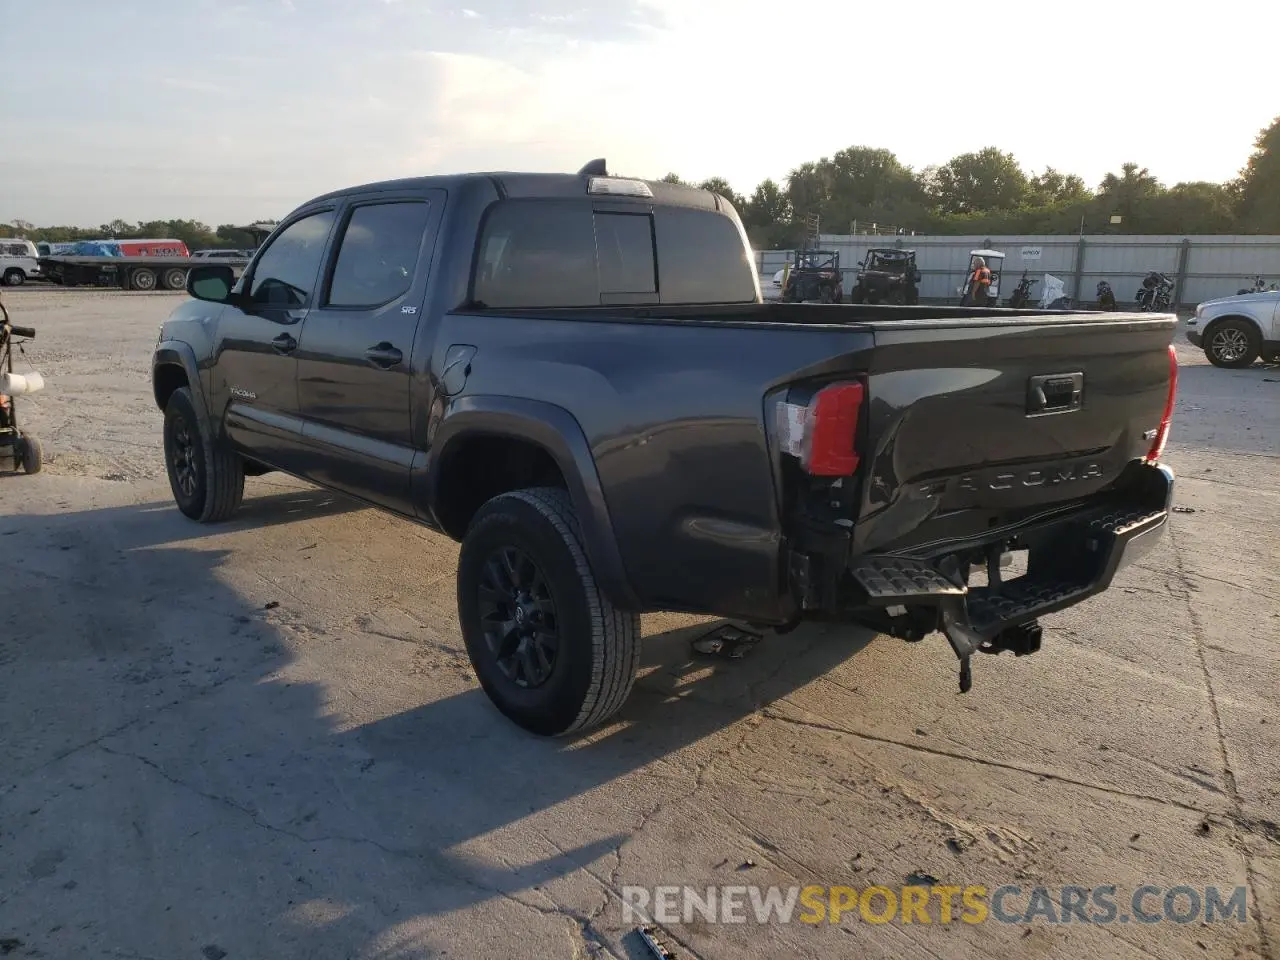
(575, 253)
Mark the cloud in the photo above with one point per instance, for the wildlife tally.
(194, 86)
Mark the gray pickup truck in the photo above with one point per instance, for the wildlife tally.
(576, 377)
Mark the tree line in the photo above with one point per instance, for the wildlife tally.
(987, 192)
(196, 235)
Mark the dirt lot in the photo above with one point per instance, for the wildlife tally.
(263, 739)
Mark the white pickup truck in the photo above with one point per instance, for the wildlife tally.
(1236, 331)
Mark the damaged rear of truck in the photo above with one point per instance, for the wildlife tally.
(909, 486)
(575, 376)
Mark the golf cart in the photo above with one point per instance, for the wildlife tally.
(814, 276)
(887, 275)
(18, 446)
(995, 262)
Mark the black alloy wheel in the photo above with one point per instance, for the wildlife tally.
(183, 455)
(518, 615)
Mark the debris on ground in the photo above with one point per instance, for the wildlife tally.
(918, 878)
(9, 944)
(1134, 837)
(1204, 827)
(747, 864)
(1184, 509)
(727, 642)
(271, 605)
(214, 952)
(649, 937)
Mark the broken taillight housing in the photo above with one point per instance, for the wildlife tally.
(1162, 432)
(828, 443)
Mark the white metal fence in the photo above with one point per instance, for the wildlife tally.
(1203, 266)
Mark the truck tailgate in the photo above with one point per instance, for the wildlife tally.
(976, 423)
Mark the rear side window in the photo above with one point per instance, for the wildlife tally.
(378, 255)
(701, 258)
(538, 253)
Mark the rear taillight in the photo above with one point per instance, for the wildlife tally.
(1162, 433)
(828, 445)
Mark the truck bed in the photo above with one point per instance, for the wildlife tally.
(680, 409)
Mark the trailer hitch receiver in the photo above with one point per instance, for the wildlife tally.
(1022, 640)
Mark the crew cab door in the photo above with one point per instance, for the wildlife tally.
(355, 363)
(253, 380)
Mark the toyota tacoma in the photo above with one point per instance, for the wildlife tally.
(575, 376)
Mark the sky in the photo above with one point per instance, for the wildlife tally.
(227, 111)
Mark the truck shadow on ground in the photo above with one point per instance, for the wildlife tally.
(172, 783)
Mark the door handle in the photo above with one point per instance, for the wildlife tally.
(383, 355)
(284, 343)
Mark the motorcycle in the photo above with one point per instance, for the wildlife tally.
(1259, 286)
(1022, 292)
(1106, 296)
(1156, 292)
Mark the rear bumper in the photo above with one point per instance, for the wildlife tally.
(1071, 557)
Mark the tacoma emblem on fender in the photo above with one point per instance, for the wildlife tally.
(243, 394)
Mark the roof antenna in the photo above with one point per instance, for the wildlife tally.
(596, 168)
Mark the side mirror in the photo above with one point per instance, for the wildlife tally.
(861, 263)
(211, 282)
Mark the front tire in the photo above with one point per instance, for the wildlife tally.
(1234, 344)
(205, 474)
(549, 649)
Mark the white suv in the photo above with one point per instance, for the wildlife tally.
(1235, 331)
(18, 261)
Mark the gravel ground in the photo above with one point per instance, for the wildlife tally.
(263, 739)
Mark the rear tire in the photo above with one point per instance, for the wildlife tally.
(143, 279)
(175, 278)
(205, 474)
(14, 278)
(1233, 344)
(31, 454)
(532, 537)
(856, 295)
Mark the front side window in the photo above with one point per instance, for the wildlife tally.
(285, 274)
(378, 255)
